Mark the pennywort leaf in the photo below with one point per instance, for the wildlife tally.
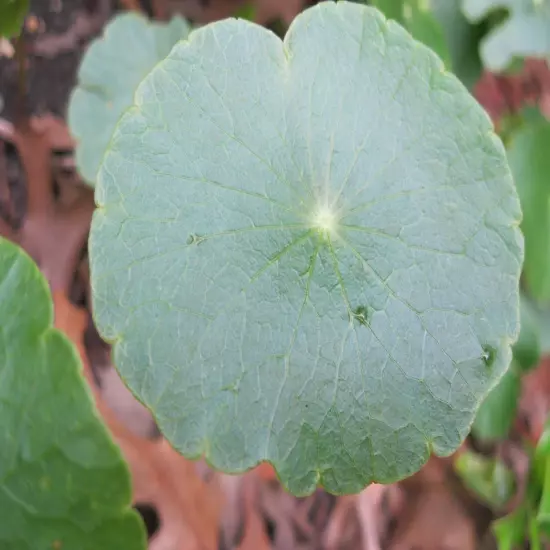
(109, 74)
(306, 251)
(63, 483)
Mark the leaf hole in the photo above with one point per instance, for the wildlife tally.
(195, 239)
(489, 355)
(150, 517)
(361, 315)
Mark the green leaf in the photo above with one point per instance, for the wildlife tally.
(462, 39)
(526, 350)
(63, 483)
(12, 15)
(543, 514)
(542, 451)
(110, 72)
(487, 477)
(525, 33)
(511, 531)
(529, 159)
(246, 11)
(496, 415)
(307, 251)
(416, 17)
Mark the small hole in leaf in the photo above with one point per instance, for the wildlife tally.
(150, 517)
(361, 314)
(195, 239)
(489, 355)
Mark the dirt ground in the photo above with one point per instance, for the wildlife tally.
(46, 208)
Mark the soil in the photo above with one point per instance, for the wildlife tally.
(50, 75)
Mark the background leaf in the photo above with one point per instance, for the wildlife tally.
(529, 158)
(527, 349)
(416, 17)
(109, 74)
(63, 483)
(462, 39)
(525, 33)
(12, 15)
(496, 415)
(511, 530)
(287, 277)
(488, 477)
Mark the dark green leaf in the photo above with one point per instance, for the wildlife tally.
(496, 414)
(307, 252)
(63, 483)
(529, 157)
(527, 349)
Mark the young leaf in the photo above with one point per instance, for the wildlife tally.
(416, 17)
(63, 483)
(525, 33)
(307, 251)
(12, 15)
(529, 159)
(110, 72)
(487, 477)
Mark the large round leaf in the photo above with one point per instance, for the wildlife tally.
(111, 70)
(63, 483)
(307, 251)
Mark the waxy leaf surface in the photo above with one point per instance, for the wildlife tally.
(307, 251)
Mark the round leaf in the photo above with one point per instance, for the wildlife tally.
(63, 483)
(307, 251)
(110, 72)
